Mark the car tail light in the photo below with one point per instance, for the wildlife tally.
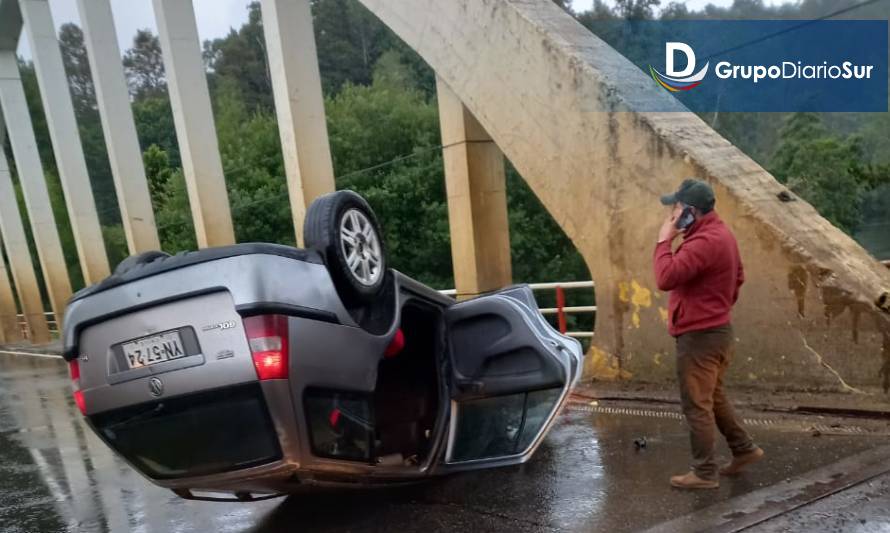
(74, 371)
(267, 337)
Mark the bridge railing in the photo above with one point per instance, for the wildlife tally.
(561, 310)
(558, 288)
(50, 322)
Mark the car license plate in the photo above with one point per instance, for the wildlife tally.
(155, 349)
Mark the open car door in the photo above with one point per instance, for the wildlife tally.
(511, 374)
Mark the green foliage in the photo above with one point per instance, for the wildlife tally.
(826, 170)
(349, 40)
(144, 66)
(251, 153)
(240, 58)
(174, 218)
(158, 173)
(154, 124)
(540, 249)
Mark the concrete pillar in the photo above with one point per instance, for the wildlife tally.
(296, 86)
(193, 118)
(477, 199)
(16, 245)
(118, 126)
(65, 138)
(30, 174)
(9, 330)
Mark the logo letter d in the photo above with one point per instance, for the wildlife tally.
(670, 50)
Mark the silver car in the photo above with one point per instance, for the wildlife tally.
(250, 371)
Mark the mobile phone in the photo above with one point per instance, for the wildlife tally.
(686, 218)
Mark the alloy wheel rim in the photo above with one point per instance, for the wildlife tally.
(361, 247)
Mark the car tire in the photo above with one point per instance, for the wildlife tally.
(138, 259)
(342, 227)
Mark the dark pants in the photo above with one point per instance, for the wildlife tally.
(702, 360)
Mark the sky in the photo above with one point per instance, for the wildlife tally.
(216, 17)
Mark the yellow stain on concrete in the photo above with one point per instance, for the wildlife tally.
(664, 314)
(657, 358)
(636, 295)
(604, 366)
(641, 296)
(623, 291)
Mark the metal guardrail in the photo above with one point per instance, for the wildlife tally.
(50, 322)
(561, 310)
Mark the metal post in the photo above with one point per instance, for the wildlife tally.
(193, 118)
(299, 104)
(118, 126)
(65, 137)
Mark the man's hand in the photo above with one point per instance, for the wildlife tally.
(669, 231)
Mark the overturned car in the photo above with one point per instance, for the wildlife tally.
(251, 370)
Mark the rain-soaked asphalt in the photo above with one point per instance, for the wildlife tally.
(55, 475)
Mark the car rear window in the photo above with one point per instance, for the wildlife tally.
(193, 435)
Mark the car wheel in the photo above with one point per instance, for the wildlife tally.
(343, 228)
(138, 259)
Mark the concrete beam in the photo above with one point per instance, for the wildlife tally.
(33, 182)
(23, 274)
(565, 109)
(299, 104)
(65, 137)
(10, 24)
(193, 118)
(118, 126)
(477, 199)
(9, 328)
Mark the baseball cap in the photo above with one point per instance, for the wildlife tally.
(692, 192)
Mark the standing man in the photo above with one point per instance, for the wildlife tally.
(703, 276)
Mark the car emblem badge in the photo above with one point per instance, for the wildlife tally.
(155, 387)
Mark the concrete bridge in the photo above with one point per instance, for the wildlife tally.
(516, 78)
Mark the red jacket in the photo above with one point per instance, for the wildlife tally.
(703, 275)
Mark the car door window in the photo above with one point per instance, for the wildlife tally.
(500, 426)
(341, 424)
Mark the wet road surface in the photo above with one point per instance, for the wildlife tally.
(55, 475)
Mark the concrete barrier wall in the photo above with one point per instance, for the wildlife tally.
(561, 104)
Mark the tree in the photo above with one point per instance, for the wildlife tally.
(823, 169)
(158, 173)
(144, 66)
(77, 69)
(349, 40)
(154, 123)
(241, 57)
(636, 9)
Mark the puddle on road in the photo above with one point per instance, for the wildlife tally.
(55, 475)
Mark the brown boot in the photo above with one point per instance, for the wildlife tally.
(691, 481)
(739, 462)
